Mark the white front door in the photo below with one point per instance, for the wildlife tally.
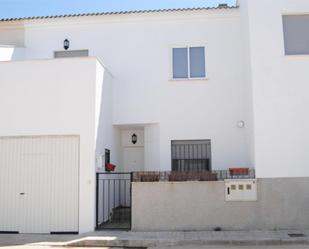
(133, 159)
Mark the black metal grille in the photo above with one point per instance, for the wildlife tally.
(184, 165)
(191, 155)
(107, 156)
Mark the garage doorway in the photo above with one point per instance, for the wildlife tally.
(39, 179)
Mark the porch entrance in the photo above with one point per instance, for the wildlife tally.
(113, 201)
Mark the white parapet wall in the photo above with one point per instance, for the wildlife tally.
(10, 53)
(178, 206)
(57, 97)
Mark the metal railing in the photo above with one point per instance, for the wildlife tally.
(225, 174)
(165, 176)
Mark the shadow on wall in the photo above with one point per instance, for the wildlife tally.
(107, 136)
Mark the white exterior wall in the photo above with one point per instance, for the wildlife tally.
(248, 78)
(136, 49)
(12, 34)
(152, 146)
(55, 97)
(280, 91)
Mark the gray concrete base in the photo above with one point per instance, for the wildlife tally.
(282, 204)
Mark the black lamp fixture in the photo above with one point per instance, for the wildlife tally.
(66, 44)
(134, 138)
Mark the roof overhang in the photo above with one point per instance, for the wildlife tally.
(21, 20)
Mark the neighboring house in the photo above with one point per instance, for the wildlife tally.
(202, 89)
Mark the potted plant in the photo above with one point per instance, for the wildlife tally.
(239, 171)
(110, 167)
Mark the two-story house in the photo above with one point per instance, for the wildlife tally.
(189, 90)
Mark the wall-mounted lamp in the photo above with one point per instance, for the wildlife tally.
(66, 44)
(134, 138)
(241, 124)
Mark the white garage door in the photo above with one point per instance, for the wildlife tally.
(39, 184)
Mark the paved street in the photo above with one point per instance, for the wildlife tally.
(238, 247)
(172, 247)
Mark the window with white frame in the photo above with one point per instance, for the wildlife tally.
(296, 34)
(188, 63)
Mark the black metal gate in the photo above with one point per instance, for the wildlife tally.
(113, 201)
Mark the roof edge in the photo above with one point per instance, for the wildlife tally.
(219, 7)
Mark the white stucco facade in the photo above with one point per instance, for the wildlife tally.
(58, 98)
(279, 87)
(136, 49)
(248, 79)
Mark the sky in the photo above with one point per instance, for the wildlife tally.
(25, 8)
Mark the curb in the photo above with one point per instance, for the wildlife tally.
(154, 242)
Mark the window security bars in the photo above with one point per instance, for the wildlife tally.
(191, 155)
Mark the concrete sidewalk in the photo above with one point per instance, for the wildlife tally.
(152, 239)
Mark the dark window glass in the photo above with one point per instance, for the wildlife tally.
(191, 155)
(180, 63)
(107, 156)
(197, 62)
(296, 34)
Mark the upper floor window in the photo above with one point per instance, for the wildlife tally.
(296, 34)
(71, 53)
(188, 63)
